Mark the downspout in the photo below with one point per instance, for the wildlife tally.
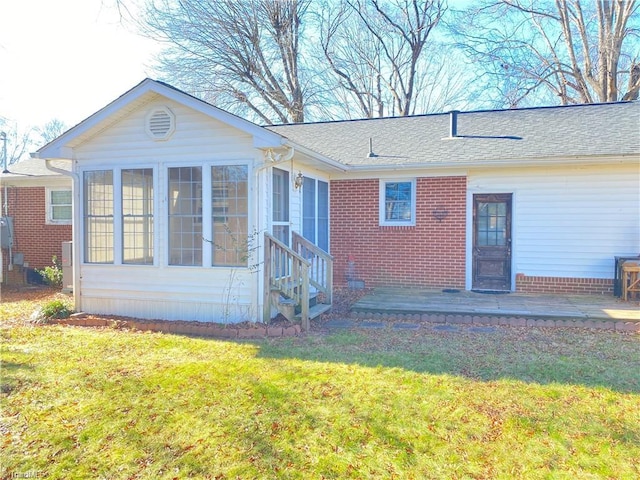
(74, 227)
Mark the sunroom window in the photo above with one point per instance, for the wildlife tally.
(98, 216)
(185, 216)
(137, 216)
(229, 207)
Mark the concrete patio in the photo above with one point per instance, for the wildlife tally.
(399, 301)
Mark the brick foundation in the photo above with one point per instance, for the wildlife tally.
(429, 254)
(558, 285)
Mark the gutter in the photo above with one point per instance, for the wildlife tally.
(524, 162)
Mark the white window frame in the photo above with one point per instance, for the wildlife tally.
(316, 211)
(382, 203)
(49, 206)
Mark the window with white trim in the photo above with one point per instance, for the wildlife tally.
(59, 206)
(398, 202)
(185, 216)
(137, 216)
(98, 216)
(230, 211)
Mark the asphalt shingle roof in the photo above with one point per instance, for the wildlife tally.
(33, 167)
(498, 136)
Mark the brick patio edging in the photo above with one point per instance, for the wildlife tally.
(494, 320)
(200, 329)
(214, 330)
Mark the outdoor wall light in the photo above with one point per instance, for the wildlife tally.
(298, 181)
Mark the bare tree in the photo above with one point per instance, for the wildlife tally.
(577, 51)
(50, 131)
(18, 140)
(375, 49)
(242, 55)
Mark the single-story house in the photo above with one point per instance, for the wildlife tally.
(185, 211)
(35, 220)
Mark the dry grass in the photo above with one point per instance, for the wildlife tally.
(17, 305)
(518, 403)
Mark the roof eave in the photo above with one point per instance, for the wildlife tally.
(526, 162)
(61, 147)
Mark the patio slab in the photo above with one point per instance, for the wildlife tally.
(577, 307)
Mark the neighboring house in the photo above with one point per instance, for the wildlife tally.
(37, 203)
(183, 211)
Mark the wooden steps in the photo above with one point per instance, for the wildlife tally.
(315, 311)
(298, 280)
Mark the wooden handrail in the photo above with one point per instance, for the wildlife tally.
(287, 272)
(321, 265)
(291, 272)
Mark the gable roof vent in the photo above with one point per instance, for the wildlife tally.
(160, 123)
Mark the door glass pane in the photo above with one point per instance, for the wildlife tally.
(323, 215)
(281, 232)
(280, 195)
(492, 224)
(309, 209)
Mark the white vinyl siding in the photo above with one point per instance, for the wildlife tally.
(568, 222)
(160, 290)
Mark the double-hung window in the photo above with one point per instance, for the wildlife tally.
(137, 216)
(98, 216)
(230, 207)
(185, 216)
(229, 199)
(59, 209)
(397, 202)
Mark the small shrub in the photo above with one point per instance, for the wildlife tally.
(55, 309)
(52, 275)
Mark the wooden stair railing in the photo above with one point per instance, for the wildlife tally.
(321, 266)
(291, 273)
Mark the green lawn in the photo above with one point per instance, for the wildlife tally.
(81, 403)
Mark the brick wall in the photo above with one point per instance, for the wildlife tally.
(32, 236)
(431, 254)
(560, 286)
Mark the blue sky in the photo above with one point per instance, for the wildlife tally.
(66, 59)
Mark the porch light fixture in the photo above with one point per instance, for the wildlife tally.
(298, 181)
